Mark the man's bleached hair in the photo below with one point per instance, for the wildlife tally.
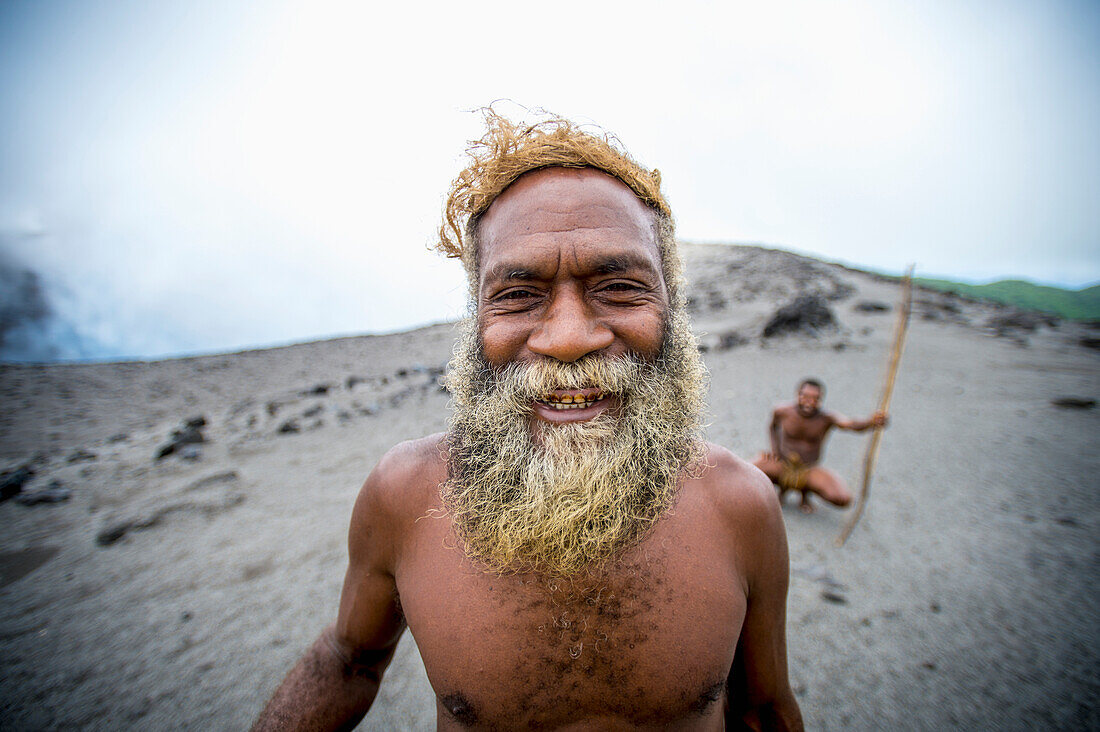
(509, 149)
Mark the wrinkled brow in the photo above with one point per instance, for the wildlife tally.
(610, 264)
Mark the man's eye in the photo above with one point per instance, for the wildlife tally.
(516, 295)
(621, 287)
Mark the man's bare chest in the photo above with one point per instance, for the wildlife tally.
(650, 641)
(805, 429)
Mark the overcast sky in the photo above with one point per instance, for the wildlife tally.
(207, 176)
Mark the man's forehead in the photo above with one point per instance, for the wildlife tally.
(561, 200)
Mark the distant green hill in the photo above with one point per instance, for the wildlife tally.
(1081, 304)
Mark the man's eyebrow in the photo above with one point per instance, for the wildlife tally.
(507, 272)
(619, 263)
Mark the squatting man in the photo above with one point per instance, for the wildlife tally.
(797, 434)
(570, 553)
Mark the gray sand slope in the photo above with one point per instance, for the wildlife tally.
(175, 593)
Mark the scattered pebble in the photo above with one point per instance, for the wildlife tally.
(819, 573)
(1073, 403)
(189, 434)
(1093, 343)
(112, 533)
(53, 493)
(227, 476)
(12, 481)
(731, 339)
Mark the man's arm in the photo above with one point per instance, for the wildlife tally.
(775, 433)
(759, 691)
(878, 419)
(333, 685)
(327, 689)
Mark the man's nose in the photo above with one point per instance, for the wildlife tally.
(569, 330)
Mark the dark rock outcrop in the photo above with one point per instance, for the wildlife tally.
(723, 277)
(807, 314)
(1020, 321)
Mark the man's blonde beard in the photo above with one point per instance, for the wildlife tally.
(526, 495)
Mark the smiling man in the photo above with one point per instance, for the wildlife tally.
(571, 553)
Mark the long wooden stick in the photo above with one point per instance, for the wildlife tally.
(884, 403)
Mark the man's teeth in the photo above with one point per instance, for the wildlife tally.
(572, 401)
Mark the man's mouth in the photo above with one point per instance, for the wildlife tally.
(565, 400)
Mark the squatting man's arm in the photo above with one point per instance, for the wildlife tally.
(878, 419)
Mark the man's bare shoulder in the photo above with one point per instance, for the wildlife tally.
(785, 409)
(737, 486)
(745, 504)
(742, 495)
(411, 460)
(404, 484)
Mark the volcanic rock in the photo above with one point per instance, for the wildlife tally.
(1073, 403)
(189, 434)
(807, 314)
(55, 492)
(12, 481)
